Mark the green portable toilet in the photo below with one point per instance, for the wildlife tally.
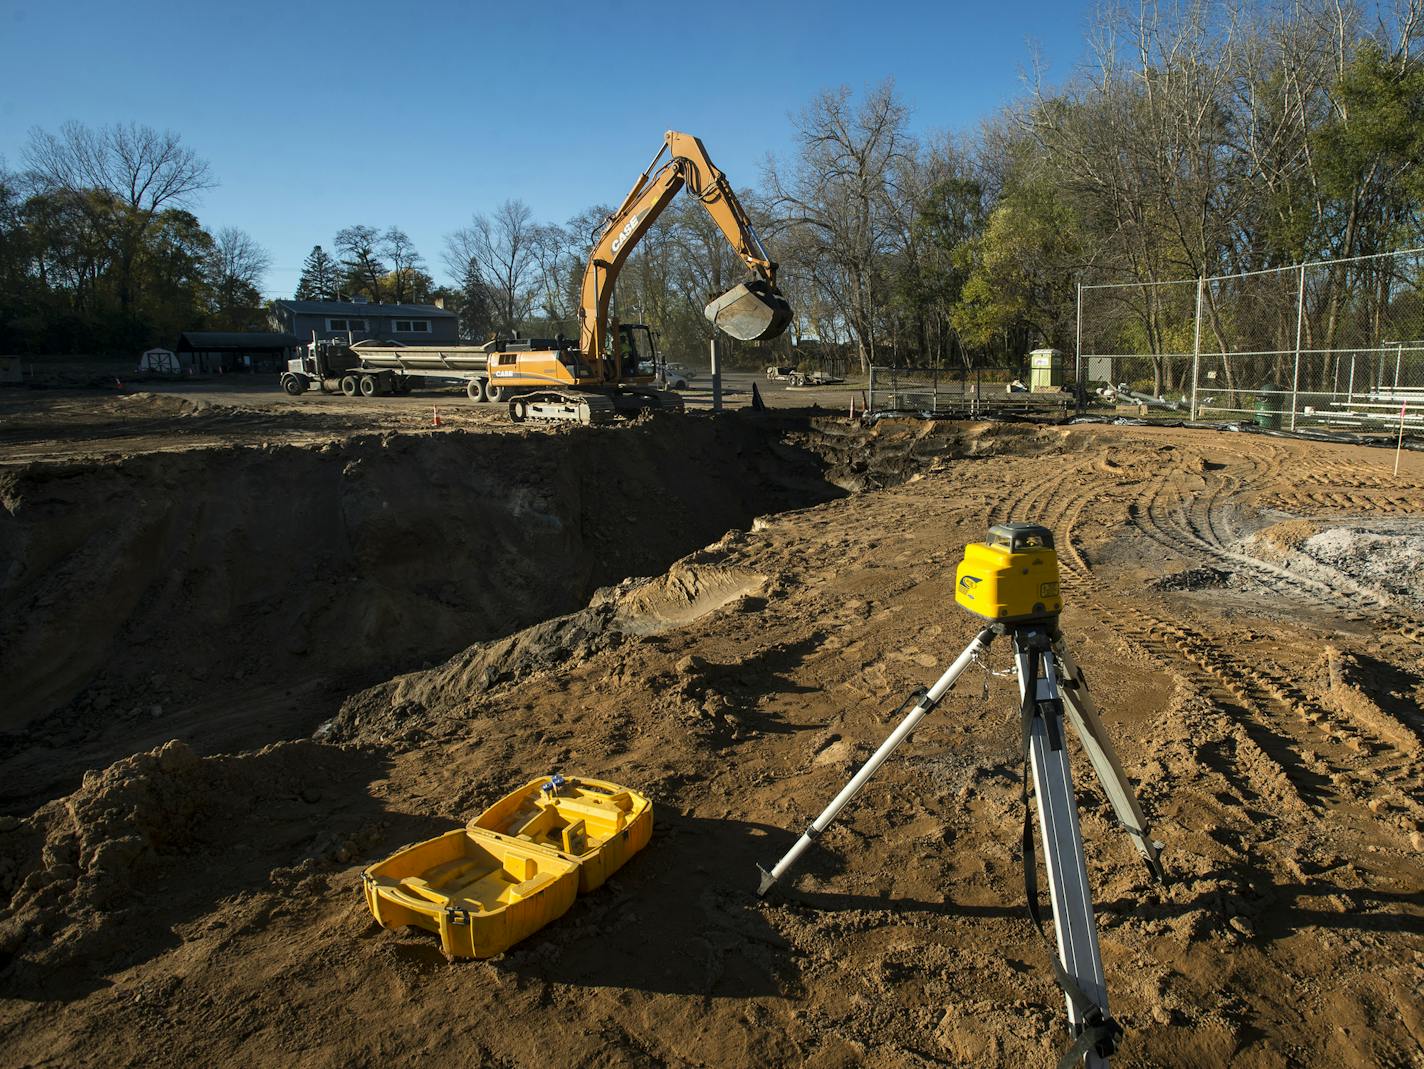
(1045, 370)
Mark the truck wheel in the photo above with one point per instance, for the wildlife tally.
(293, 385)
(369, 386)
(348, 385)
(496, 393)
(475, 390)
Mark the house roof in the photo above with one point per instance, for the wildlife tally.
(238, 341)
(344, 308)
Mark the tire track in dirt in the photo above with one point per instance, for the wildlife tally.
(1183, 524)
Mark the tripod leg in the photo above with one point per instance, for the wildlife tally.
(901, 732)
(1080, 971)
(1099, 748)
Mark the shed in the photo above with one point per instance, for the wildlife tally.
(240, 350)
(160, 362)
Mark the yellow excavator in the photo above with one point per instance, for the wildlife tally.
(609, 371)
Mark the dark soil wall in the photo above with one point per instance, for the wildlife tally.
(167, 578)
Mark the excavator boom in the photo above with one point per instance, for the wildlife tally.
(606, 375)
(753, 311)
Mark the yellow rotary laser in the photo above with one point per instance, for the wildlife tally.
(1012, 577)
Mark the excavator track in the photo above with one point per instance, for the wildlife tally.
(589, 409)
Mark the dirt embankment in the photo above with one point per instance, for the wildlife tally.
(232, 596)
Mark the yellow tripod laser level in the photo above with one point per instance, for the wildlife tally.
(1012, 577)
(1011, 581)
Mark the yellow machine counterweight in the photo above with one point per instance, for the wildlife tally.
(1012, 577)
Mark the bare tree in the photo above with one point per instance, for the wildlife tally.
(133, 168)
(236, 265)
(360, 250)
(556, 252)
(404, 261)
(836, 204)
(504, 247)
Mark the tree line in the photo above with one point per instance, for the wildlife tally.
(1198, 139)
(100, 251)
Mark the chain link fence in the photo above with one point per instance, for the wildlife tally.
(1333, 344)
(958, 392)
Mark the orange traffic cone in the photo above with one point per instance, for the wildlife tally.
(435, 416)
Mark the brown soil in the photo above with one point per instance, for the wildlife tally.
(179, 909)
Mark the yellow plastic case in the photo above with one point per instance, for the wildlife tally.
(1011, 578)
(596, 824)
(481, 891)
(515, 868)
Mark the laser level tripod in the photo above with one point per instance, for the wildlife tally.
(1012, 580)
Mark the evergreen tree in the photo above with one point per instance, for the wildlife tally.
(472, 304)
(319, 277)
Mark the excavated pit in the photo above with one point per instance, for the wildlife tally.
(181, 905)
(231, 597)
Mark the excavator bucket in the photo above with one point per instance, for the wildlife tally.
(753, 311)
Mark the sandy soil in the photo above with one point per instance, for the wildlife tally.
(1254, 646)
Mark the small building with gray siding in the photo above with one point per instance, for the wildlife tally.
(410, 323)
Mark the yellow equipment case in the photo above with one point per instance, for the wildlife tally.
(595, 824)
(481, 891)
(1012, 577)
(515, 868)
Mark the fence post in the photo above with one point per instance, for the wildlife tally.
(1196, 349)
(716, 375)
(1078, 355)
(1299, 325)
(870, 391)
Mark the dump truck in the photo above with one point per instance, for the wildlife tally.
(376, 368)
(610, 370)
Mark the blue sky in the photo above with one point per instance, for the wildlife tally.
(318, 115)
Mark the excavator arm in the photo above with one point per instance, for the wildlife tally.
(751, 312)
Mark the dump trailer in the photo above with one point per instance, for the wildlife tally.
(378, 368)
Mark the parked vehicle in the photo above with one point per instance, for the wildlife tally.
(677, 376)
(814, 378)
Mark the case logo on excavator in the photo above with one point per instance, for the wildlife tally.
(623, 234)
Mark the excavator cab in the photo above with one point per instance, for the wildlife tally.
(753, 311)
(637, 356)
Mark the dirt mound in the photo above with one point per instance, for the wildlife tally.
(80, 872)
(138, 592)
(405, 708)
(1391, 560)
(1284, 784)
